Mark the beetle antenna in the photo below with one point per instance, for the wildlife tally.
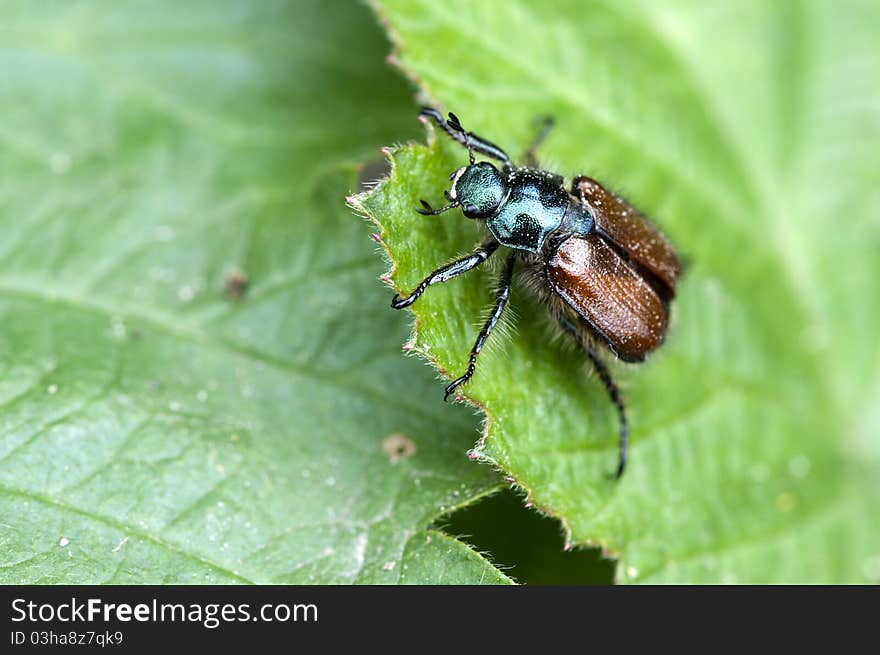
(427, 210)
(455, 124)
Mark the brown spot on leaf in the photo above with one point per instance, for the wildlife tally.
(236, 284)
(398, 446)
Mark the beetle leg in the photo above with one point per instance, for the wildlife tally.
(501, 297)
(449, 271)
(479, 144)
(531, 157)
(610, 386)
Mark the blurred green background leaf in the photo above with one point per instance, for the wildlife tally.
(155, 428)
(749, 131)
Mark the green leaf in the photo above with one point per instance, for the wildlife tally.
(748, 131)
(155, 429)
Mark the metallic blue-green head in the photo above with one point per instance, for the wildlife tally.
(479, 189)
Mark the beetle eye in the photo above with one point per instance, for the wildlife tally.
(470, 210)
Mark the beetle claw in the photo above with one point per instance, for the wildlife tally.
(399, 303)
(453, 385)
(618, 473)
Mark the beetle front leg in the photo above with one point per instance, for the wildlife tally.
(610, 387)
(501, 297)
(449, 271)
(478, 143)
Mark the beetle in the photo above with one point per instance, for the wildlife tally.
(604, 272)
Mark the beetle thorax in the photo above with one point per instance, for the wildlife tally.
(534, 207)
